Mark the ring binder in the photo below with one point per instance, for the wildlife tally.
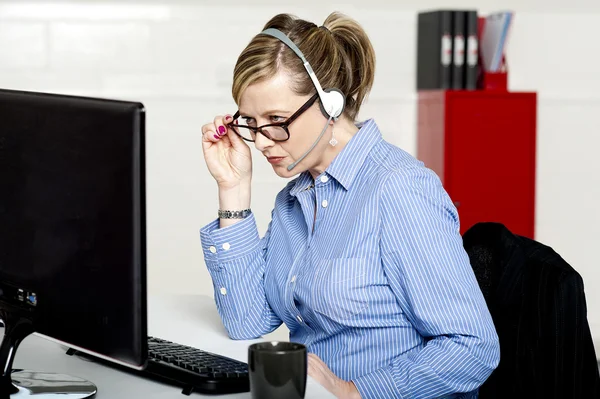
(492, 81)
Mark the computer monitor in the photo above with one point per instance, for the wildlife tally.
(72, 233)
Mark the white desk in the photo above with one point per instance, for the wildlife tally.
(189, 320)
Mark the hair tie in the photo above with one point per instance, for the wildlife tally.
(324, 27)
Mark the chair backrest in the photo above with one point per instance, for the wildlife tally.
(537, 301)
(484, 244)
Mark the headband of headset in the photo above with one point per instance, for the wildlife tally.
(332, 100)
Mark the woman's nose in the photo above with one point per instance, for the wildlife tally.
(262, 142)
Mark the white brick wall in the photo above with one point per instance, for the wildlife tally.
(177, 57)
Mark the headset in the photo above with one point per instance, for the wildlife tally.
(332, 101)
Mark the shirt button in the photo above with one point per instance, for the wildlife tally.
(324, 203)
(324, 179)
(299, 319)
(213, 249)
(226, 246)
(293, 278)
(223, 291)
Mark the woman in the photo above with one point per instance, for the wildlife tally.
(363, 259)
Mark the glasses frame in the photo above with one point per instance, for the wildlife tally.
(283, 125)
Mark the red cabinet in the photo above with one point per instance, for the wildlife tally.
(482, 145)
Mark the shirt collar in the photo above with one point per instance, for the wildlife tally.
(347, 163)
(303, 182)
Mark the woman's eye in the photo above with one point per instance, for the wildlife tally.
(249, 121)
(275, 118)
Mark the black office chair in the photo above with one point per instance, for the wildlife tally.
(538, 305)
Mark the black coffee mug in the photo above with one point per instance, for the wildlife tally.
(277, 370)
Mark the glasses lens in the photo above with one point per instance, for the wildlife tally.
(240, 126)
(277, 133)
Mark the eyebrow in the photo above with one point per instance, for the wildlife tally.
(269, 112)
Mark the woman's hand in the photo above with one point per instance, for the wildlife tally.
(227, 156)
(318, 370)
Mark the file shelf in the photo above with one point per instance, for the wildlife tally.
(482, 145)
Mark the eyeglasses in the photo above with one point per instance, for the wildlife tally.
(273, 131)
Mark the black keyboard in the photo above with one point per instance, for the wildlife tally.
(195, 369)
(190, 368)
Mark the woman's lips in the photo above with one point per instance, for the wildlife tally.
(275, 160)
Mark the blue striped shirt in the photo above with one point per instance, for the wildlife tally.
(378, 285)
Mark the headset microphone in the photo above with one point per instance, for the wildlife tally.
(292, 166)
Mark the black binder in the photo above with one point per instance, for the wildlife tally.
(458, 50)
(434, 50)
(472, 50)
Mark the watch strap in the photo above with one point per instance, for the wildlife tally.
(225, 214)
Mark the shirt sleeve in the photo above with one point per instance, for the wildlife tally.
(430, 274)
(235, 258)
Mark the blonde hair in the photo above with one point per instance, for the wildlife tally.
(341, 56)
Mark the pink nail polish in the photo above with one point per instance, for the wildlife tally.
(222, 129)
(228, 117)
(217, 137)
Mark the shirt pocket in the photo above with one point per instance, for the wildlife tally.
(340, 289)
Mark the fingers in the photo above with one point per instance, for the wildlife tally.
(318, 370)
(236, 141)
(209, 133)
(220, 124)
(315, 358)
(317, 364)
(314, 371)
(219, 128)
(214, 131)
(311, 368)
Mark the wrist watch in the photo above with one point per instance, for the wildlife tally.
(234, 214)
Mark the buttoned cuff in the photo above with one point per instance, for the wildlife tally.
(222, 245)
(377, 385)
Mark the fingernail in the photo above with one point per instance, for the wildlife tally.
(217, 137)
(228, 117)
(222, 129)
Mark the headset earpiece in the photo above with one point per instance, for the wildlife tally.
(332, 103)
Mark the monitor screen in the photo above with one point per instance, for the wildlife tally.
(72, 219)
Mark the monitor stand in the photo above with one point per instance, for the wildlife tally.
(21, 383)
